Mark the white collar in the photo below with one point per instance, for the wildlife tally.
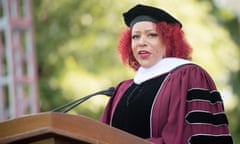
(163, 66)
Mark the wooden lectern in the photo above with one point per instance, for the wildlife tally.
(60, 128)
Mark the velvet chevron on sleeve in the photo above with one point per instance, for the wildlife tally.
(191, 108)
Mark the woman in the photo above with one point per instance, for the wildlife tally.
(170, 100)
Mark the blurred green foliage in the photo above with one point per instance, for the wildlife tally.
(76, 44)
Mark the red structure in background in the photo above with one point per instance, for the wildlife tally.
(18, 76)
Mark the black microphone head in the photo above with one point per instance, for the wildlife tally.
(109, 92)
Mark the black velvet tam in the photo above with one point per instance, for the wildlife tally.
(147, 13)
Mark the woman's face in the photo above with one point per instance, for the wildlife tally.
(147, 45)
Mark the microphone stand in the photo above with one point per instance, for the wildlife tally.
(73, 104)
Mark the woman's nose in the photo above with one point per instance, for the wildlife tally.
(142, 40)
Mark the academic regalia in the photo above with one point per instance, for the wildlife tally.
(185, 107)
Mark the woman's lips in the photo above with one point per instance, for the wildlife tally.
(144, 54)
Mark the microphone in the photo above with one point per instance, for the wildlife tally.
(69, 106)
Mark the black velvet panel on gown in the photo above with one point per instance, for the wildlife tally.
(133, 111)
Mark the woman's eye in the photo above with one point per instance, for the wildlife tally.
(135, 36)
(153, 35)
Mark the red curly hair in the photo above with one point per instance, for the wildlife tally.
(172, 36)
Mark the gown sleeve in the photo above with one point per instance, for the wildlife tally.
(189, 110)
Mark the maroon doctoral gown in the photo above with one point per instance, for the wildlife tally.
(187, 108)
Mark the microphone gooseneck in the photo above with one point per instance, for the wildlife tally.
(69, 106)
(109, 92)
